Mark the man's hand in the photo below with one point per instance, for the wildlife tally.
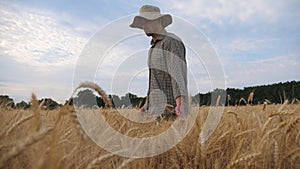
(142, 109)
(178, 110)
(179, 107)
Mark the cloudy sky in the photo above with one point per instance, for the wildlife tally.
(46, 47)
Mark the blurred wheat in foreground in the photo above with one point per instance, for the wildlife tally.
(247, 137)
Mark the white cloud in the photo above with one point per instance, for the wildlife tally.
(38, 51)
(37, 38)
(250, 44)
(221, 11)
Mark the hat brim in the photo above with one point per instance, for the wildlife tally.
(139, 21)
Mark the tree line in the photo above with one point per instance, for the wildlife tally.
(274, 93)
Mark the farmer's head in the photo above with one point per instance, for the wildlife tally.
(151, 20)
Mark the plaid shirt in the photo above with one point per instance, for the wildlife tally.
(167, 72)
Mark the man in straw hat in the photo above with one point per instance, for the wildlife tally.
(167, 65)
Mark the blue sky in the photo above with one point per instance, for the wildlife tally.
(41, 41)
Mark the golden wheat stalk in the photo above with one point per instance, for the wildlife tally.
(265, 106)
(244, 158)
(125, 162)
(266, 124)
(297, 138)
(292, 123)
(281, 114)
(19, 122)
(77, 125)
(175, 164)
(270, 132)
(250, 98)
(276, 153)
(242, 100)
(35, 109)
(245, 132)
(283, 105)
(99, 159)
(236, 152)
(181, 156)
(293, 153)
(23, 145)
(218, 100)
(96, 88)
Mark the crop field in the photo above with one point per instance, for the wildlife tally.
(261, 136)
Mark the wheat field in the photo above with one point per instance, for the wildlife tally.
(262, 136)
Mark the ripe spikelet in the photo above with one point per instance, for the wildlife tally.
(281, 125)
(228, 99)
(292, 124)
(69, 110)
(297, 138)
(242, 100)
(250, 97)
(283, 105)
(245, 132)
(268, 101)
(266, 124)
(98, 89)
(175, 165)
(276, 153)
(23, 145)
(281, 114)
(218, 100)
(232, 112)
(76, 123)
(198, 155)
(19, 122)
(181, 156)
(244, 158)
(237, 151)
(293, 154)
(238, 120)
(255, 115)
(224, 135)
(125, 162)
(265, 106)
(296, 101)
(9, 104)
(66, 109)
(99, 159)
(35, 109)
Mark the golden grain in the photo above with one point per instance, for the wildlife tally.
(35, 109)
(23, 144)
(238, 142)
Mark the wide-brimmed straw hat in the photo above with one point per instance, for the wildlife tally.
(149, 12)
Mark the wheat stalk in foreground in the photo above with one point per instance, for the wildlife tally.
(97, 88)
(35, 109)
(23, 144)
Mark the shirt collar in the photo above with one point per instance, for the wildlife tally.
(160, 37)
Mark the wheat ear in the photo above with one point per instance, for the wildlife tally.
(244, 158)
(97, 88)
(125, 162)
(23, 145)
(18, 123)
(292, 124)
(99, 159)
(35, 109)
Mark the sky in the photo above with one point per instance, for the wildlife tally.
(49, 47)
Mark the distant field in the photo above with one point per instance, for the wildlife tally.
(247, 137)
